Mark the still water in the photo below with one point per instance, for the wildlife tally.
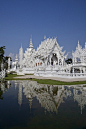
(29, 105)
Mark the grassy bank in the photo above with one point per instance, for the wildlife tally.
(44, 81)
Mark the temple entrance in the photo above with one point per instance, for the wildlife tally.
(54, 59)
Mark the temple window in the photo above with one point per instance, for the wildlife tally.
(41, 63)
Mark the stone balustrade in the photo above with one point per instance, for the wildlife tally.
(60, 74)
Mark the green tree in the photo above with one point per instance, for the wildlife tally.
(3, 58)
(69, 61)
(2, 52)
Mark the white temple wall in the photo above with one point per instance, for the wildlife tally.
(38, 62)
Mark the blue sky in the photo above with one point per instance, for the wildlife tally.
(64, 19)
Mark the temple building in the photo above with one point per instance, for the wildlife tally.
(50, 53)
(49, 60)
(29, 60)
(79, 59)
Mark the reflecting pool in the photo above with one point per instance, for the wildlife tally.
(29, 105)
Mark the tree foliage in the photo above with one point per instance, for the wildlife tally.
(3, 58)
(69, 61)
(2, 52)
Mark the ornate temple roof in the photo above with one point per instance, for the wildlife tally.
(79, 52)
(47, 46)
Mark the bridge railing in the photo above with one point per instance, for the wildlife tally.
(59, 74)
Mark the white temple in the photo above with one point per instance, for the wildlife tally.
(79, 59)
(49, 60)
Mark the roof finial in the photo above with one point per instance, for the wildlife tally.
(21, 45)
(16, 56)
(45, 37)
(31, 37)
(78, 43)
(31, 45)
(85, 45)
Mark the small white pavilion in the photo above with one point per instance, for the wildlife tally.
(79, 59)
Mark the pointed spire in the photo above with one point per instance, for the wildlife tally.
(31, 45)
(21, 49)
(45, 37)
(16, 59)
(20, 54)
(85, 45)
(16, 56)
(21, 45)
(78, 43)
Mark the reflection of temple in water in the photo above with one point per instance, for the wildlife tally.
(50, 97)
(20, 94)
(4, 86)
(80, 96)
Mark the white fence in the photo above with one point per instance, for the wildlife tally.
(59, 74)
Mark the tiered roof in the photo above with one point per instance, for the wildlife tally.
(47, 46)
(79, 52)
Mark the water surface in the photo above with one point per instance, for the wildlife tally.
(29, 105)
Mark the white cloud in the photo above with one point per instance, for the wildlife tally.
(12, 56)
